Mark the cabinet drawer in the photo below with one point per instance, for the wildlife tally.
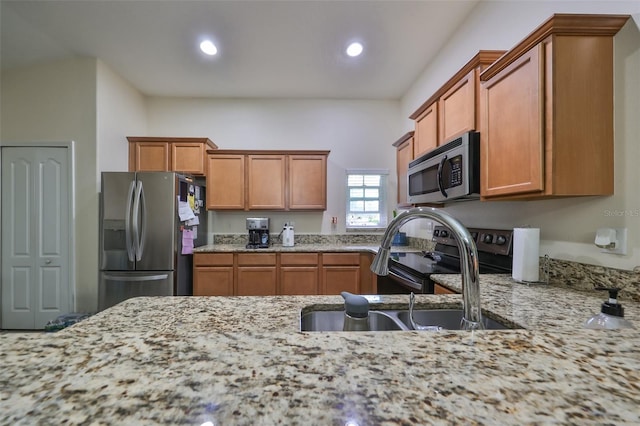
(341, 259)
(213, 259)
(245, 259)
(299, 259)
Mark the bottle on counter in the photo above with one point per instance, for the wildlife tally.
(611, 316)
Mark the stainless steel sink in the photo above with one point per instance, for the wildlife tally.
(390, 320)
(446, 318)
(334, 321)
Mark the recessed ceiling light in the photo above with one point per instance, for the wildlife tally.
(208, 47)
(354, 49)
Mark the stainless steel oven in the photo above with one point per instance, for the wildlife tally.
(411, 271)
(447, 173)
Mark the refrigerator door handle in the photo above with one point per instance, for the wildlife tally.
(127, 223)
(140, 278)
(142, 233)
(136, 221)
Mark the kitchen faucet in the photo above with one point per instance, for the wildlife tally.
(472, 316)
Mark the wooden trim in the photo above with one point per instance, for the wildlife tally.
(403, 138)
(265, 152)
(481, 59)
(559, 24)
(206, 141)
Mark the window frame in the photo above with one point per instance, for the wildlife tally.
(382, 199)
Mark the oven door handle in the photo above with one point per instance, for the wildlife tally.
(440, 183)
(402, 280)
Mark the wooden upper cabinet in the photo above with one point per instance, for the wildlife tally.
(163, 154)
(512, 133)
(149, 156)
(266, 182)
(225, 181)
(426, 133)
(404, 155)
(307, 182)
(547, 121)
(454, 108)
(457, 108)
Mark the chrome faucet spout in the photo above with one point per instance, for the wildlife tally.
(472, 319)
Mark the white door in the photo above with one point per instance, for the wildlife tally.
(35, 236)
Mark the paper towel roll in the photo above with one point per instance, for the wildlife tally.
(526, 256)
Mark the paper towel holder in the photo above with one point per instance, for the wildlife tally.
(612, 240)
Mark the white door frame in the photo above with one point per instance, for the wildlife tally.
(70, 146)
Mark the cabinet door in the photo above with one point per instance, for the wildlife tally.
(438, 289)
(213, 281)
(298, 280)
(457, 109)
(225, 182)
(307, 182)
(150, 157)
(266, 182)
(336, 279)
(426, 132)
(512, 146)
(404, 155)
(188, 158)
(256, 281)
(368, 280)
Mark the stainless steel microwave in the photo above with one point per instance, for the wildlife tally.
(450, 172)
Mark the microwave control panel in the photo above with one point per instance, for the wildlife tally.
(455, 175)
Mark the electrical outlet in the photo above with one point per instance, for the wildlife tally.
(621, 244)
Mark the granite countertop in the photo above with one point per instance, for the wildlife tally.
(242, 360)
(302, 248)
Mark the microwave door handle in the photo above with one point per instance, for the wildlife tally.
(440, 183)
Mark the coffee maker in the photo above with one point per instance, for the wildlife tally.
(258, 228)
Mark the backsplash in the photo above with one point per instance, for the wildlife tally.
(562, 273)
(347, 239)
(581, 276)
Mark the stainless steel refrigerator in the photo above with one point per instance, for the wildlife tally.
(145, 217)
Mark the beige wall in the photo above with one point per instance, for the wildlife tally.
(57, 102)
(84, 101)
(359, 134)
(121, 113)
(567, 226)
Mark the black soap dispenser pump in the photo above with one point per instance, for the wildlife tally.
(611, 316)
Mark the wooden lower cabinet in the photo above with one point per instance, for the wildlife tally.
(256, 281)
(340, 272)
(438, 289)
(368, 280)
(298, 273)
(213, 274)
(267, 274)
(256, 274)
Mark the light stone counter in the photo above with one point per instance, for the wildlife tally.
(302, 248)
(242, 360)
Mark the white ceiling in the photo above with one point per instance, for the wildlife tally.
(266, 48)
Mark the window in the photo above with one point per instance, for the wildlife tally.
(366, 199)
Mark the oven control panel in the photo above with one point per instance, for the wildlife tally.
(498, 241)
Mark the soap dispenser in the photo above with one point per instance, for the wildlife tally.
(611, 316)
(356, 312)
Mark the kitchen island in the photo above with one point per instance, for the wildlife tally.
(243, 360)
